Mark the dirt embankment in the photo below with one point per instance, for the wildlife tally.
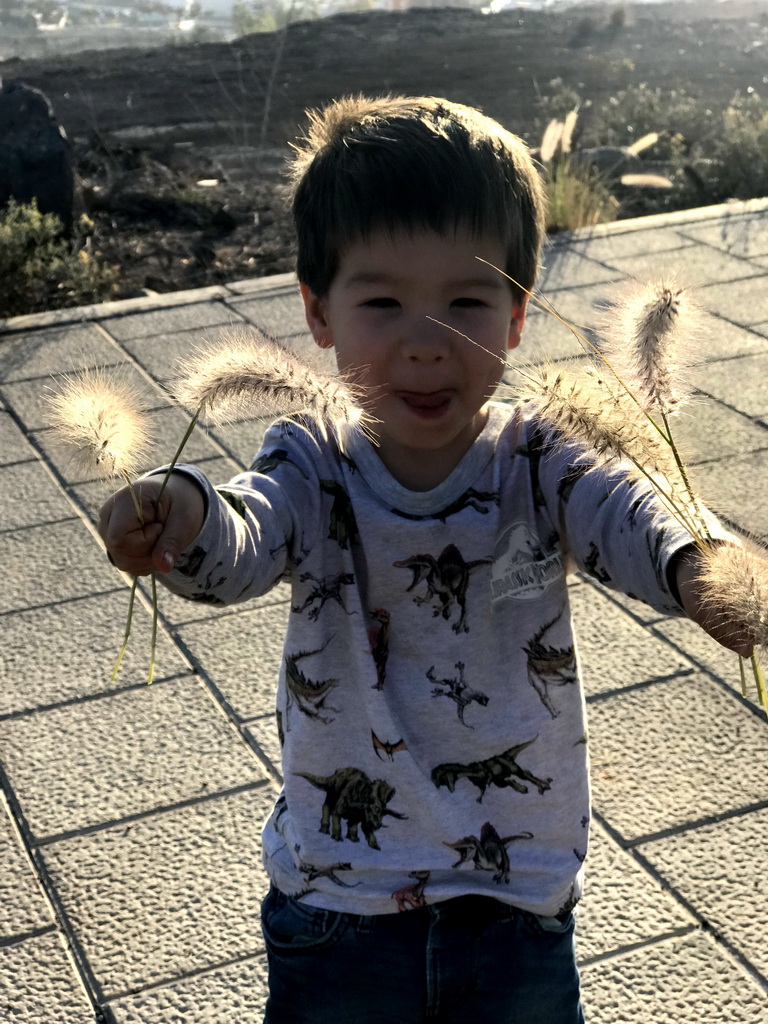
(149, 125)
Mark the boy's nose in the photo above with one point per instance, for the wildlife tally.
(426, 341)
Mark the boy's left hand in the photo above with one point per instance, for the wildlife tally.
(686, 566)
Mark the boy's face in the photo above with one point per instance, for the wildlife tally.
(430, 384)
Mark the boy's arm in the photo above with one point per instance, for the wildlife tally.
(228, 543)
(615, 528)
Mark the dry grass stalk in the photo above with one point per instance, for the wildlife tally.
(250, 374)
(98, 419)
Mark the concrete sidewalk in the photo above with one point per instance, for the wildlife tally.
(130, 874)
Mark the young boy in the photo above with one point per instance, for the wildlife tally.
(426, 852)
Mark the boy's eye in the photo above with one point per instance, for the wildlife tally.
(467, 303)
(381, 303)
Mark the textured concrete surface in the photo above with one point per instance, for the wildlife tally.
(130, 871)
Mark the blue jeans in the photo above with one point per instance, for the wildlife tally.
(470, 960)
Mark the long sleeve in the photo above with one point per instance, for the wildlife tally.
(258, 527)
(613, 525)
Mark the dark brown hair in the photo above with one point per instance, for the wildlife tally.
(411, 162)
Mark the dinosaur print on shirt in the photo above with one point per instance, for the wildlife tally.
(447, 580)
(489, 852)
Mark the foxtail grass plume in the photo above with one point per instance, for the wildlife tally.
(734, 580)
(734, 583)
(603, 419)
(97, 418)
(649, 339)
(250, 374)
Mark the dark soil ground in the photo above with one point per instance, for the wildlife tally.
(149, 125)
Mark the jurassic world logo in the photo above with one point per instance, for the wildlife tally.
(521, 568)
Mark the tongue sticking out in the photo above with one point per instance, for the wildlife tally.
(433, 401)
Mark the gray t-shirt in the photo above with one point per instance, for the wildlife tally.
(429, 701)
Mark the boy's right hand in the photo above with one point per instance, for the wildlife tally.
(155, 545)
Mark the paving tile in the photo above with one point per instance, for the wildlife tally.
(622, 904)
(163, 355)
(706, 652)
(38, 984)
(236, 994)
(31, 498)
(673, 753)
(278, 314)
(721, 339)
(166, 743)
(740, 383)
(74, 649)
(173, 318)
(44, 352)
(242, 653)
(170, 894)
(27, 398)
(23, 908)
(615, 651)
(56, 562)
(618, 244)
(704, 429)
(719, 869)
(264, 731)
(639, 611)
(739, 236)
(563, 268)
(744, 302)
(14, 446)
(681, 981)
(545, 337)
(738, 490)
(699, 268)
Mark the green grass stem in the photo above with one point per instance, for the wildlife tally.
(128, 624)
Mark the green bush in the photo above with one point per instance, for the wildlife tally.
(733, 162)
(39, 269)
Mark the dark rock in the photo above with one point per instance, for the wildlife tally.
(35, 156)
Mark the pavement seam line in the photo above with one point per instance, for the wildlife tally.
(173, 979)
(672, 891)
(154, 812)
(81, 965)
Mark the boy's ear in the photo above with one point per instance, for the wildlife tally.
(315, 312)
(516, 324)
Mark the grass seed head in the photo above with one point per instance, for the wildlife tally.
(735, 583)
(587, 407)
(98, 420)
(251, 374)
(649, 340)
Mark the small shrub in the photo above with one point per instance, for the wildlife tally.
(735, 158)
(641, 109)
(39, 269)
(577, 197)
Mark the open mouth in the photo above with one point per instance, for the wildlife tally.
(432, 402)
